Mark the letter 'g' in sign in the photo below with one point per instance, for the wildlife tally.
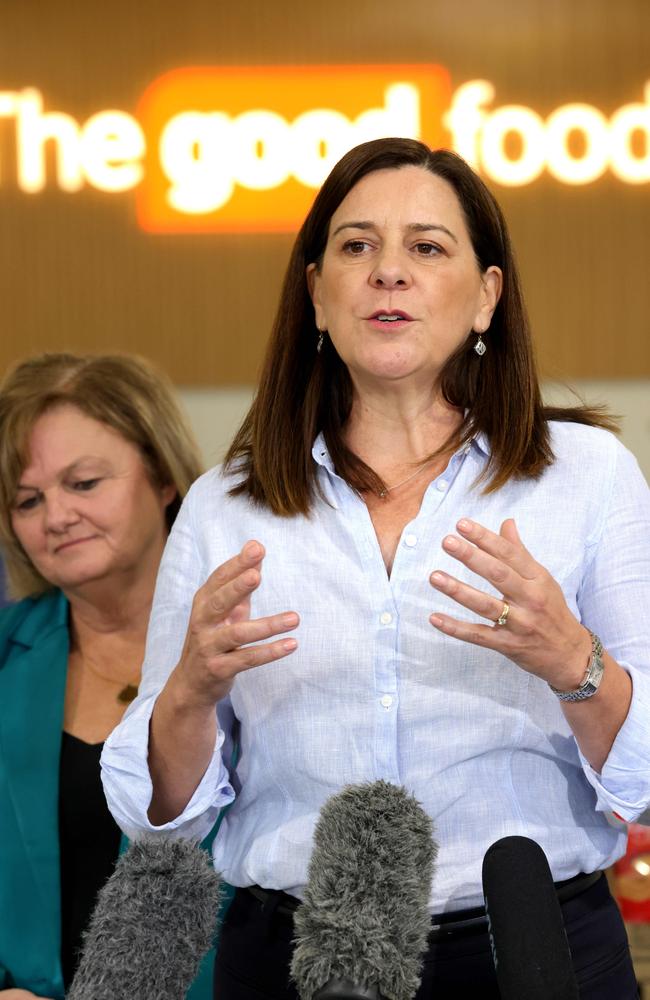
(243, 149)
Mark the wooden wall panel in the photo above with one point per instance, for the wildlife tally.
(76, 271)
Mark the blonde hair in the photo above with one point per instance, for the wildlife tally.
(124, 392)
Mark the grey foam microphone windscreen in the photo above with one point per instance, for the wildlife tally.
(364, 920)
(154, 921)
(529, 944)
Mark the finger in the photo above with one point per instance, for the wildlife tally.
(241, 612)
(251, 555)
(230, 637)
(230, 664)
(479, 635)
(510, 531)
(229, 602)
(468, 597)
(496, 572)
(506, 546)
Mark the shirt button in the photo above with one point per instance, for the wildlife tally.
(386, 701)
(385, 618)
(410, 540)
(442, 485)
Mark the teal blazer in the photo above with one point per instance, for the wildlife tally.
(34, 644)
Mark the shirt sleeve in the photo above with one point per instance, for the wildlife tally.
(614, 601)
(125, 769)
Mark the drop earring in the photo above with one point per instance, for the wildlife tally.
(319, 342)
(480, 347)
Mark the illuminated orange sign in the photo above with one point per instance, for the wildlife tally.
(241, 149)
(245, 148)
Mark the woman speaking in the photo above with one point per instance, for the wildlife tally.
(406, 569)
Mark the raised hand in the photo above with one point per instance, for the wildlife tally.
(531, 623)
(222, 640)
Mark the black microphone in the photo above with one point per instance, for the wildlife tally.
(362, 927)
(154, 921)
(529, 943)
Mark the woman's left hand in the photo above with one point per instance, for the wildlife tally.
(540, 633)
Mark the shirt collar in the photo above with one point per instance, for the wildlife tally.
(481, 441)
(321, 455)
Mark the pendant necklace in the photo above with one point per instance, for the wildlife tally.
(389, 489)
(128, 691)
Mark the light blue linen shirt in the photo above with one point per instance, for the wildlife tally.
(374, 691)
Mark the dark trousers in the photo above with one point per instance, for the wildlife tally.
(256, 945)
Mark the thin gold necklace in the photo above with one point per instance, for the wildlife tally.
(389, 489)
(128, 691)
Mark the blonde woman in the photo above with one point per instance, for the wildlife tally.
(95, 459)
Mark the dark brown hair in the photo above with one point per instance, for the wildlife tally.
(124, 392)
(302, 392)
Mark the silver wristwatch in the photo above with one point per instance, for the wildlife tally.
(593, 677)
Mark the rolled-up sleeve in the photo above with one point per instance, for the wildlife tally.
(613, 603)
(623, 785)
(125, 768)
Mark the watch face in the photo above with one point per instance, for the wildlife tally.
(593, 676)
(589, 686)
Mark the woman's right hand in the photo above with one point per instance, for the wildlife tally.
(222, 640)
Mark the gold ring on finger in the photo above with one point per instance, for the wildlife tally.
(503, 617)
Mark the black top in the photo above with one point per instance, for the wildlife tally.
(89, 843)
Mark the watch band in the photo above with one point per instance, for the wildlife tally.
(593, 676)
